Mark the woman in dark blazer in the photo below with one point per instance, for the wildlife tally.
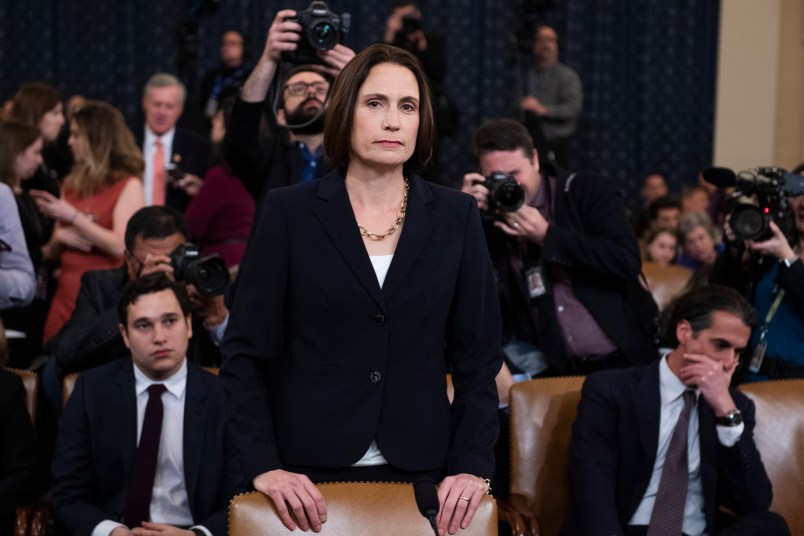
(357, 294)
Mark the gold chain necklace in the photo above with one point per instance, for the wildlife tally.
(400, 217)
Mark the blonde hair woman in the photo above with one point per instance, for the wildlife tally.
(102, 191)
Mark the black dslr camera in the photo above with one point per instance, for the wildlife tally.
(505, 193)
(208, 275)
(771, 187)
(321, 30)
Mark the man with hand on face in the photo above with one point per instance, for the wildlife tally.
(91, 338)
(657, 449)
(166, 145)
(141, 448)
(295, 152)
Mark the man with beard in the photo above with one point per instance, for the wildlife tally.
(294, 153)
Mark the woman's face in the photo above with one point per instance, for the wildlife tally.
(51, 123)
(29, 160)
(662, 250)
(386, 120)
(77, 142)
(700, 246)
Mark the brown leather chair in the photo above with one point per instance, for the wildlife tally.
(779, 435)
(542, 413)
(666, 283)
(31, 382)
(355, 509)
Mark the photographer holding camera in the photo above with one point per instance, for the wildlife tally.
(294, 153)
(769, 269)
(567, 261)
(155, 241)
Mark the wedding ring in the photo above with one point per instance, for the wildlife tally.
(464, 498)
(515, 225)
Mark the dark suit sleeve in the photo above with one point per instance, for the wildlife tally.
(743, 483)
(19, 463)
(85, 340)
(605, 245)
(473, 336)
(593, 460)
(241, 146)
(253, 337)
(74, 487)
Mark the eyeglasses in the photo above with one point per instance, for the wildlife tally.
(300, 88)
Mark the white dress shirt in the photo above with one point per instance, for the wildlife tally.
(148, 151)
(169, 502)
(671, 390)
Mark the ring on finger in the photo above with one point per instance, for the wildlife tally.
(515, 225)
(464, 498)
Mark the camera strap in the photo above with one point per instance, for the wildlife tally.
(759, 352)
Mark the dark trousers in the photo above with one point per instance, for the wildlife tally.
(755, 524)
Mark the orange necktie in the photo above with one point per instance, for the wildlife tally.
(159, 183)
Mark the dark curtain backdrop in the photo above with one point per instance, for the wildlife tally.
(648, 66)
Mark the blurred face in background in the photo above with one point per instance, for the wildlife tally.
(77, 142)
(29, 160)
(232, 49)
(662, 250)
(545, 46)
(700, 245)
(653, 188)
(51, 122)
(163, 107)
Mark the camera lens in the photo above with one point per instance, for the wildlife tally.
(209, 275)
(509, 196)
(747, 222)
(323, 35)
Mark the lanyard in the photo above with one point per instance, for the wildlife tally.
(771, 312)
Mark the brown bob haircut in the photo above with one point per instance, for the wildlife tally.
(343, 96)
(15, 138)
(32, 101)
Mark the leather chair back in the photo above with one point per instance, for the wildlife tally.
(356, 509)
(542, 413)
(779, 435)
(666, 283)
(31, 382)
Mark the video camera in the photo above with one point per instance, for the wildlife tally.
(505, 193)
(321, 30)
(208, 275)
(771, 187)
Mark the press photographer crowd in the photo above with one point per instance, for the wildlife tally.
(280, 298)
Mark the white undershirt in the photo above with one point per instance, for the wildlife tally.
(373, 456)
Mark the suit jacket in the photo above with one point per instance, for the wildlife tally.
(591, 241)
(98, 439)
(613, 450)
(353, 362)
(91, 336)
(191, 153)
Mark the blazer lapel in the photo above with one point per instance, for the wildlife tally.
(195, 418)
(420, 220)
(647, 407)
(124, 404)
(335, 213)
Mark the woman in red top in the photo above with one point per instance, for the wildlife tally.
(102, 191)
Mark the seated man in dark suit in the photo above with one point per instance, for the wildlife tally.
(91, 338)
(141, 443)
(643, 462)
(166, 145)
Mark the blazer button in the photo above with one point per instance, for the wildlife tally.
(379, 319)
(375, 377)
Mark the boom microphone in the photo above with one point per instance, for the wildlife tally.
(424, 490)
(720, 177)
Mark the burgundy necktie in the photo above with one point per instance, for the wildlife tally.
(668, 510)
(141, 482)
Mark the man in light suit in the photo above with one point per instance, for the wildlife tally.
(622, 452)
(102, 437)
(163, 103)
